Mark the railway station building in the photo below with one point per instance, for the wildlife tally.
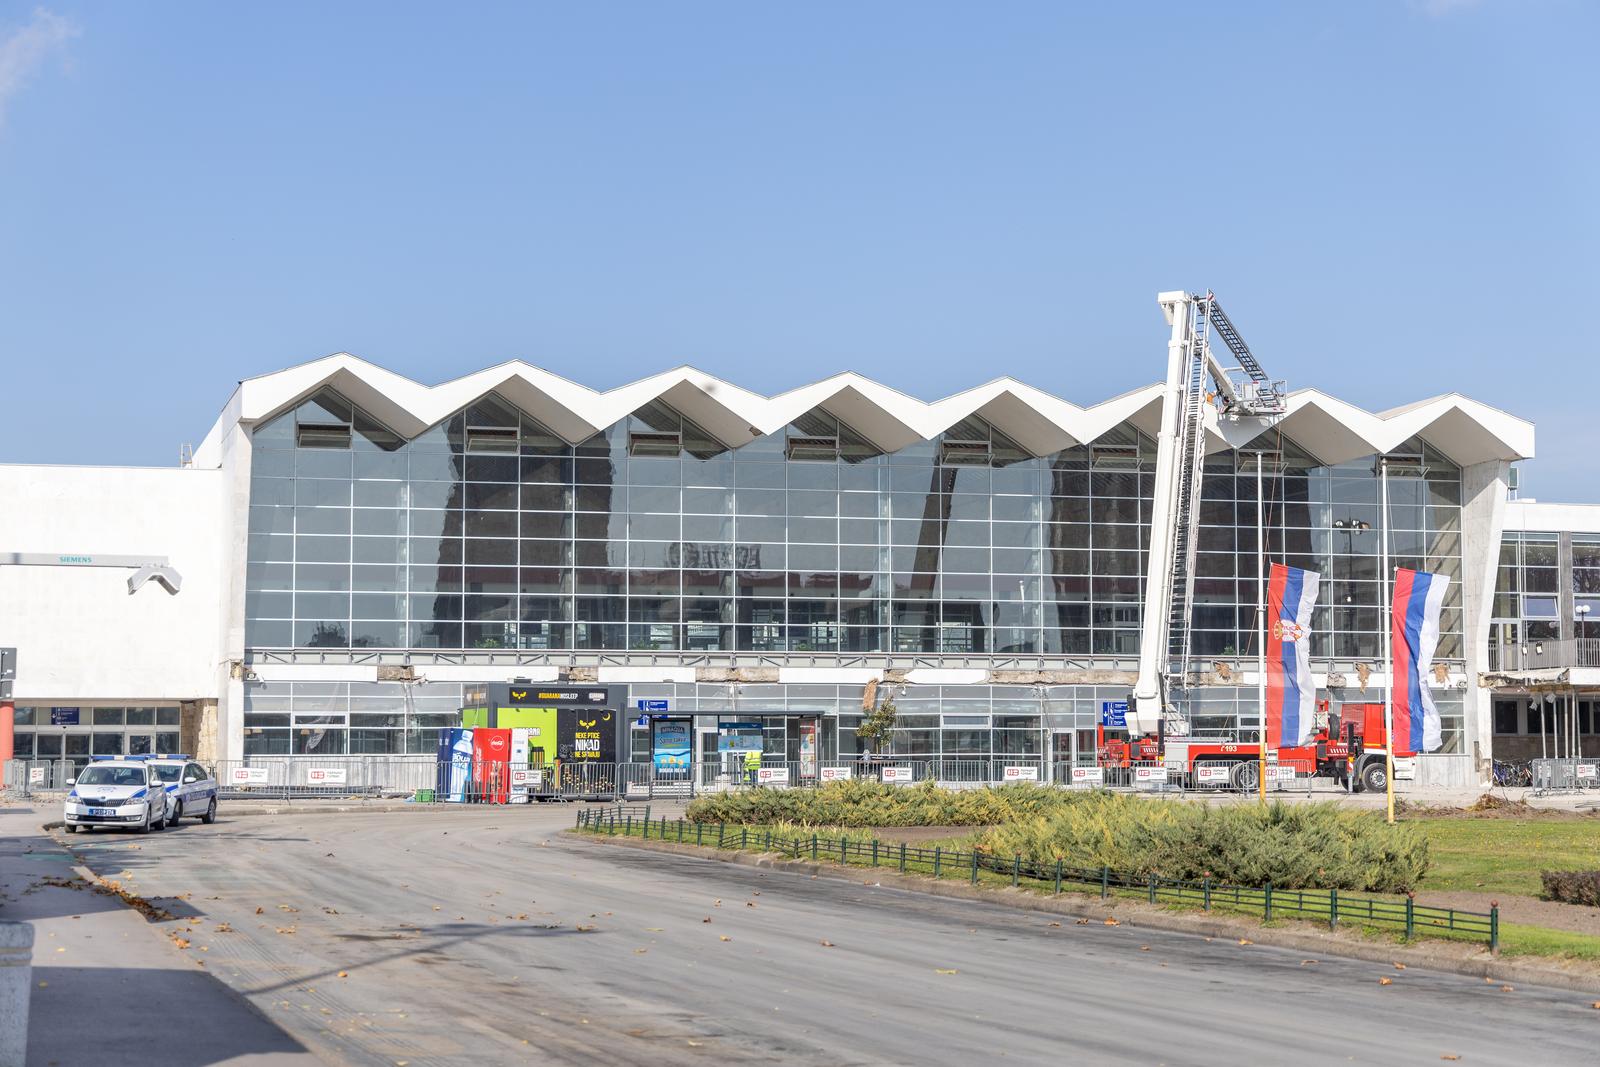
(355, 552)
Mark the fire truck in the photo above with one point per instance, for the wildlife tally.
(1206, 398)
(1348, 748)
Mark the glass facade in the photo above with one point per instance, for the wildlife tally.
(488, 531)
(119, 731)
(1530, 590)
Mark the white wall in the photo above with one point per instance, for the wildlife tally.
(1552, 518)
(78, 632)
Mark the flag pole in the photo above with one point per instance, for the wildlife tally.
(1388, 649)
(1261, 635)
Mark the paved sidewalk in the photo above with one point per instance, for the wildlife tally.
(110, 985)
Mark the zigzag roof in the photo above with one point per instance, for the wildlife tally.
(1331, 429)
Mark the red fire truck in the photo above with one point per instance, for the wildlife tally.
(1350, 747)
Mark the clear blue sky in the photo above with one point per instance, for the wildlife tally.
(1394, 199)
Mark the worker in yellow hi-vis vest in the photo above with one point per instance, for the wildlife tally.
(752, 765)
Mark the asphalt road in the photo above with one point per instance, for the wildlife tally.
(487, 937)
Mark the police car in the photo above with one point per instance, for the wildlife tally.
(190, 788)
(116, 792)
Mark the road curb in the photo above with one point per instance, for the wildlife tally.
(1135, 913)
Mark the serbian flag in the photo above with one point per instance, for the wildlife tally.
(1414, 629)
(1291, 698)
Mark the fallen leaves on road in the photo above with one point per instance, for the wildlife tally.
(285, 907)
(1307, 963)
(1052, 924)
(1112, 922)
(706, 919)
(285, 929)
(1246, 941)
(829, 944)
(1399, 966)
(1083, 922)
(1386, 981)
(640, 951)
(261, 911)
(344, 974)
(943, 970)
(724, 937)
(181, 942)
(1448, 1056)
(582, 929)
(1507, 988)
(1144, 948)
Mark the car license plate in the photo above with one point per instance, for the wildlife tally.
(102, 811)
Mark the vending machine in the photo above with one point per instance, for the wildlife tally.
(454, 770)
(491, 765)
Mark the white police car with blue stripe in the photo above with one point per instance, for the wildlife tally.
(116, 792)
(191, 790)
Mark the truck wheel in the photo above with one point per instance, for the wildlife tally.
(1243, 776)
(1374, 776)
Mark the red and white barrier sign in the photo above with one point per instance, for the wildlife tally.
(1210, 775)
(835, 774)
(897, 774)
(1150, 775)
(1280, 774)
(772, 775)
(524, 777)
(249, 775)
(1088, 776)
(1587, 770)
(35, 775)
(327, 775)
(1017, 773)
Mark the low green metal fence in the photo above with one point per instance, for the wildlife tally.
(1328, 906)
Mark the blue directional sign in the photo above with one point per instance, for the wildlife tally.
(63, 716)
(652, 705)
(1114, 713)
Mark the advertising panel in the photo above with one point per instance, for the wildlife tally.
(672, 747)
(587, 735)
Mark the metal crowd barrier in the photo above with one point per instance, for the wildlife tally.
(1565, 775)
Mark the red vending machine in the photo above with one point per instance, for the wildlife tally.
(491, 765)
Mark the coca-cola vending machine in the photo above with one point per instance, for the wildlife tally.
(491, 765)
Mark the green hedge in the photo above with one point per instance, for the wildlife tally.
(871, 803)
(1291, 846)
(1301, 846)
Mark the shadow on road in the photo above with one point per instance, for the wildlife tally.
(209, 1022)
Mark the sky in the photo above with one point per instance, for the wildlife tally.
(1392, 198)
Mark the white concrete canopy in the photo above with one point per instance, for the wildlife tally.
(1330, 429)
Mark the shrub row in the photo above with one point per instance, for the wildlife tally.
(870, 803)
(1305, 846)
(1300, 846)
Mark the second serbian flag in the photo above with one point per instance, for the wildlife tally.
(1414, 628)
(1291, 698)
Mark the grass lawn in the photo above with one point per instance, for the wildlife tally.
(1506, 855)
